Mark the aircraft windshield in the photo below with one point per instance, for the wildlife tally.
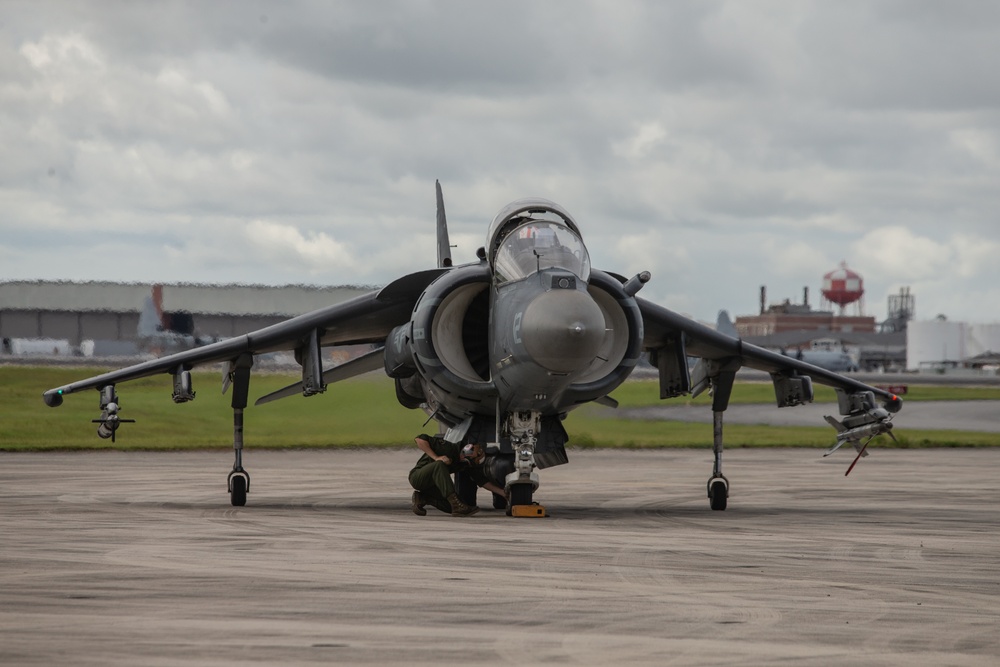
(538, 245)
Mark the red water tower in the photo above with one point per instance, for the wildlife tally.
(843, 287)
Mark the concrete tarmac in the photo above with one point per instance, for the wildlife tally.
(129, 558)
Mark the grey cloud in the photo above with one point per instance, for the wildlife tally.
(728, 127)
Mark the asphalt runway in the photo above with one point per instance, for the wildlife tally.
(119, 558)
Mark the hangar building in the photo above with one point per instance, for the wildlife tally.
(110, 311)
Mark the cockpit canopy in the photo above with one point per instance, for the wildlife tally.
(532, 235)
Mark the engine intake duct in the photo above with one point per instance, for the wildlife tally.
(475, 334)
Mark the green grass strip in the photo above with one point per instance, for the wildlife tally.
(364, 412)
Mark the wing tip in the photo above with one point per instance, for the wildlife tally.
(53, 397)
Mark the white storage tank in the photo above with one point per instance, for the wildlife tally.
(40, 347)
(935, 342)
(983, 338)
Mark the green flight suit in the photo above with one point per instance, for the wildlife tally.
(433, 478)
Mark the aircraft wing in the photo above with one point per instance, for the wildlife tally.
(365, 319)
(663, 327)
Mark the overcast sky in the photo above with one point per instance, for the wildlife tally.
(720, 145)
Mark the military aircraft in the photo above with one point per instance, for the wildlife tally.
(498, 350)
(162, 332)
(828, 359)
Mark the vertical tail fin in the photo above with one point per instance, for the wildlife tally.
(725, 325)
(444, 247)
(151, 315)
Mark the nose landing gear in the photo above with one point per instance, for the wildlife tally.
(521, 484)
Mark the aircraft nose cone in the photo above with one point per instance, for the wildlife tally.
(563, 330)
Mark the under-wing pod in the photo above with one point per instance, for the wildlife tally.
(109, 420)
(791, 389)
(183, 391)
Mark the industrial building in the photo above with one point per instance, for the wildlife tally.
(842, 287)
(72, 313)
(790, 327)
(786, 317)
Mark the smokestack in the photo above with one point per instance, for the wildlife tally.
(763, 299)
(805, 296)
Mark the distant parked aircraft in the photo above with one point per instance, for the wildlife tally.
(162, 332)
(840, 362)
(828, 359)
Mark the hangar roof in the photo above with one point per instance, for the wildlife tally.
(288, 300)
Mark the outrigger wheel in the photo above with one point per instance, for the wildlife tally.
(718, 492)
(239, 482)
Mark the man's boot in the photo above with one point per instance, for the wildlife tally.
(458, 508)
(417, 504)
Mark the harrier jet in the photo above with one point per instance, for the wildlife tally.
(500, 349)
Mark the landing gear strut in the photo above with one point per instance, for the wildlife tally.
(521, 483)
(239, 479)
(722, 389)
(718, 485)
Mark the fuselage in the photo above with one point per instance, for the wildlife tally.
(530, 329)
(551, 329)
(546, 329)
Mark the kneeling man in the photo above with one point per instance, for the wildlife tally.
(431, 476)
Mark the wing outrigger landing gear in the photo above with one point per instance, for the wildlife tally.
(718, 485)
(521, 484)
(239, 479)
(722, 378)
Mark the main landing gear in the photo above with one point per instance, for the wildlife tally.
(718, 485)
(239, 479)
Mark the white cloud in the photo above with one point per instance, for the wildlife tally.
(896, 251)
(645, 137)
(191, 95)
(648, 251)
(62, 51)
(315, 252)
(976, 256)
(979, 143)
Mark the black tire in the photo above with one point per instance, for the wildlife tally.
(465, 488)
(520, 494)
(717, 495)
(238, 494)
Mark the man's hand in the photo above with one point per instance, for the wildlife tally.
(490, 486)
(444, 459)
